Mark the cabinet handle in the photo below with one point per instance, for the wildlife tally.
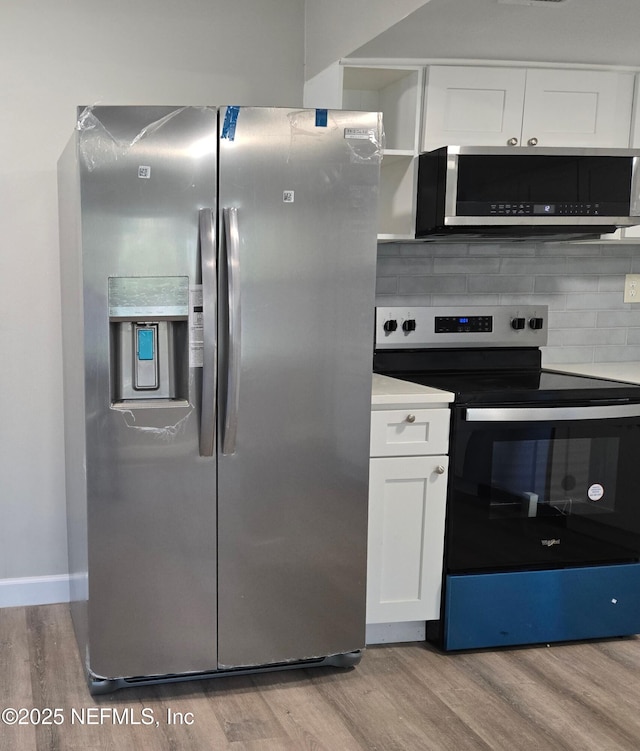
(532, 142)
(512, 142)
(440, 469)
(411, 418)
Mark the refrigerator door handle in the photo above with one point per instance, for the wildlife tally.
(232, 238)
(209, 325)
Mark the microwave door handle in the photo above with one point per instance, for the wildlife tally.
(208, 270)
(539, 414)
(232, 246)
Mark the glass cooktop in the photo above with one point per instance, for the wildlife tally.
(526, 387)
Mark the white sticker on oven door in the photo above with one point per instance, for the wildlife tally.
(595, 492)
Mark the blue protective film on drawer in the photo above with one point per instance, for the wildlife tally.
(532, 607)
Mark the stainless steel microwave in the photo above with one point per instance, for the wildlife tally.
(526, 192)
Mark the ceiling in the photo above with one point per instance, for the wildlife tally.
(573, 31)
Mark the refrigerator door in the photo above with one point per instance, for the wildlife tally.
(145, 175)
(298, 198)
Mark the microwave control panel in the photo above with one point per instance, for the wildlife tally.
(540, 208)
(479, 326)
(544, 209)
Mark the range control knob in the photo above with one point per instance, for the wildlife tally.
(536, 323)
(517, 323)
(409, 325)
(390, 326)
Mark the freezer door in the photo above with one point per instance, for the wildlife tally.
(298, 200)
(147, 177)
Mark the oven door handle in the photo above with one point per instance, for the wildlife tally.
(540, 414)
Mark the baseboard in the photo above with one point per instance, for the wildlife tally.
(390, 633)
(34, 590)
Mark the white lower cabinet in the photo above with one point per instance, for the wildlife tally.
(407, 499)
(408, 474)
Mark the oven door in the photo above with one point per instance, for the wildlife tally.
(543, 487)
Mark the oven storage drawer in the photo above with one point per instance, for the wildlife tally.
(531, 607)
(407, 432)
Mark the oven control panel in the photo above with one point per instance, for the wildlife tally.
(461, 326)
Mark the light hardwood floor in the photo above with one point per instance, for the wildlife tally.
(582, 697)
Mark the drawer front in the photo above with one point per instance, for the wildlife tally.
(405, 432)
(536, 607)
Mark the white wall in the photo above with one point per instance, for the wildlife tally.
(336, 27)
(581, 283)
(54, 56)
(580, 31)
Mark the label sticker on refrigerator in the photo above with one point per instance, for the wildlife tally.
(144, 172)
(362, 134)
(595, 492)
(288, 196)
(196, 327)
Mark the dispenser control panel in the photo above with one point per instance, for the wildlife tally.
(146, 356)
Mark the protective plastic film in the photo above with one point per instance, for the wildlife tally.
(365, 144)
(105, 147)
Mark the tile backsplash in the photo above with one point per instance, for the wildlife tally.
(582, 284)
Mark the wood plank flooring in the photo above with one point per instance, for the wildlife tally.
(574, 697)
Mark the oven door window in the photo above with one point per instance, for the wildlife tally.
(536, 494)
(552, 476)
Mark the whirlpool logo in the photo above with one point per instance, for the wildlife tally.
(549, 543)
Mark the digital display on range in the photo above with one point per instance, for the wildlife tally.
(463, 324)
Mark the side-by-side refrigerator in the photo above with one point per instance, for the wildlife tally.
(218, 273)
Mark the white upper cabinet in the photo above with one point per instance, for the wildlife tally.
(496, 106)
(393, 91)
(397, 93)
(473, 106)
(578, 108)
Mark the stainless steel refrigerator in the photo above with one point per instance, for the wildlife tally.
(218, 270)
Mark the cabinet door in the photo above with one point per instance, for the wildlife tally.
(407, 499)
(577, 108)
(473, 106)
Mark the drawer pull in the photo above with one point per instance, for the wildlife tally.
(411, 418)
(440, 469)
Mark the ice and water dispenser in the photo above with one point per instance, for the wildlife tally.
(149, 340)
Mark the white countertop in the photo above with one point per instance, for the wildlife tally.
(390, 391)
(615, 371)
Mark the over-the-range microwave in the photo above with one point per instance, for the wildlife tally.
(526, 192)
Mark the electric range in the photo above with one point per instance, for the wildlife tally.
(542, 537)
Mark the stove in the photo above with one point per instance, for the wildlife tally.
(542, 536)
